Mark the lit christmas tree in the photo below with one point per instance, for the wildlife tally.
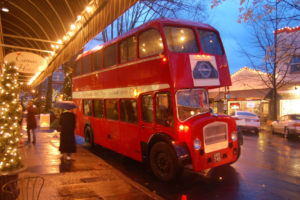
(10, 115)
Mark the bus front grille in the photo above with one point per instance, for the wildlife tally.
(215, 136)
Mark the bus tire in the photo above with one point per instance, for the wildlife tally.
(163, 161)
(89, 136)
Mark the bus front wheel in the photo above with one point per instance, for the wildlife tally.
(89, 137)
(163, 161)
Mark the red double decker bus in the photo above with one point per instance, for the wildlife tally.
(144, 95)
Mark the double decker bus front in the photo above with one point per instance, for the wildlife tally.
(198, 62)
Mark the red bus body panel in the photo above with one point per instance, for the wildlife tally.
(168, 68)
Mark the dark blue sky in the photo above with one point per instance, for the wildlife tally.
(224, 18)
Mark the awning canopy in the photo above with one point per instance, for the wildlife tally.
(241, 94)
(56, 29)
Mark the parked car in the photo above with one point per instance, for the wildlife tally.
(247, 121)
(287, 125)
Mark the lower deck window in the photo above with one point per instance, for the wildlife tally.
(111, 109)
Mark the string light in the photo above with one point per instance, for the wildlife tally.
(10, 114)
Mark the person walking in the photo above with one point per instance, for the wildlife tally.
(31, 122)
(67, 124)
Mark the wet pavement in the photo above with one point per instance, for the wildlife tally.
(86, 176)
(269, 168)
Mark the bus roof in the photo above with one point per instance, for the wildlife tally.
(164, 21)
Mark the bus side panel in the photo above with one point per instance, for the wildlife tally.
(98, 130)
(130, 140)
(79, 118)
(112, 135)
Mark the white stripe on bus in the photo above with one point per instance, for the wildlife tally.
(119, 66)
(125, 92)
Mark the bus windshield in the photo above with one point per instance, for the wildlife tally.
(191, 102)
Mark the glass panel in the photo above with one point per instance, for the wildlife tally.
(97, 61)
(78, 68)
(295, 64)
(110, 56)
(111, 109)
(128, 50)
(150, 43)
(147, 108)
(86, 65)
(295, 117)
(98, 108)
(164, 110)
(210, 42)
(181, 40)
(128, 110)
(191, 103)
(87, 107)
(246, 114)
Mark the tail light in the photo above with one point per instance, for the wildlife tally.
(164, 59)
(296, 124)
(257, 120)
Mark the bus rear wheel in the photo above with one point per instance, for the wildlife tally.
(163, 162)
(89, 137)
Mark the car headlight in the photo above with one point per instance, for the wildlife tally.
(234, 136)
(197, 144)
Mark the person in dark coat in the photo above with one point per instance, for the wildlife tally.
(31, 122)
(67, 124)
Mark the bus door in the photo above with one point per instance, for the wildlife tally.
(147, 116)
(111, 126)
(129, 129)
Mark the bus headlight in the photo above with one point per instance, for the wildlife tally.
(197, 144)
(234, 136)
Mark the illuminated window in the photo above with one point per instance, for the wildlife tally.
(164, 109)
(87, 107)
(181, 40)
(147, 108)
(77, 70)
(295, 64)
(111, 109)
(128, 50)
(98, 108)
(150, 43)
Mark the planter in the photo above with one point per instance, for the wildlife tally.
(5, 177)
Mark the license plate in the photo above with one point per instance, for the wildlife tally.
(217, 157)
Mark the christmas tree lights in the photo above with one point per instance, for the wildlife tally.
(10, 114)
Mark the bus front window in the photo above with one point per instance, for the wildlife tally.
(181, 40)
(191, 102)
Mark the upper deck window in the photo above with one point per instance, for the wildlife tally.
(77, 70)
(86, 68)
(128, 50)
(110, 55)
(150, 43)
(97, 61)
(181, 40)
(210, 42)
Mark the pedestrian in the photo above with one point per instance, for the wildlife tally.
(67, 124)
(31, 122)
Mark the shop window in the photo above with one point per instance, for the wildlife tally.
(111, 109)
(87, 107)
(110, 56)
(164, 109)
(128, 110)
(128, 50)
(98, 108)
(295, 64)
(147, 108)
(150, 43)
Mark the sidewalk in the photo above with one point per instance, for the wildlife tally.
(86, 176)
